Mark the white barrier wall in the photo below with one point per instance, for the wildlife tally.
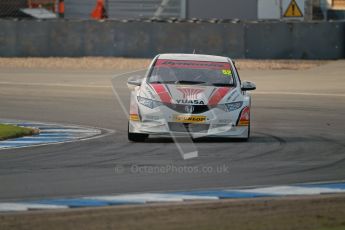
(266, 40)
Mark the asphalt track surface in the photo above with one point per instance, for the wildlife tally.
(297, 136)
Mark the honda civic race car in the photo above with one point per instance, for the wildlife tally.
(190, 94)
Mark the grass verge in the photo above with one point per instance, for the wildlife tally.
(326, 212)
(12, 131)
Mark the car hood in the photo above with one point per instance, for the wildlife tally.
(187, 94)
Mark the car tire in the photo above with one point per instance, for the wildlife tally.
(137, 137)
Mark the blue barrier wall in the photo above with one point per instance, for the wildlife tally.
(262, 40)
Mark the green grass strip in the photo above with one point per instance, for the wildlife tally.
(12, 131)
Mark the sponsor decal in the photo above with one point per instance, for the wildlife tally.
(226, 121)
(227, 72)
(235, 98)
(189, 119)
(186, 101)
(192, 64)
(154, 118)
(231, 95)
(190, 93)
(134, 117)
(190, 96)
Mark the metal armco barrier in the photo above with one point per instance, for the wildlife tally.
(262, 40)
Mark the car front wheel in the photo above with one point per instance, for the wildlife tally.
(137, 137)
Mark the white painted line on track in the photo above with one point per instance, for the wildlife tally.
(54, 85)
(144, 198)
(37, 138)
(291, 190)
(70, 131)
(140, 198)
(10, 207)
(21, 142)
(299, 93)
(152, 197)
(52, 133)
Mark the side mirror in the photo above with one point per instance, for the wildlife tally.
(134, 82)
(247, 85)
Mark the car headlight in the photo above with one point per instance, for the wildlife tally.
(231, 106)
(149, 103)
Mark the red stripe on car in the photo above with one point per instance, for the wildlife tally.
(218, 95)
(162, 92)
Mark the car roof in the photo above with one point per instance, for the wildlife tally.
(193, 57)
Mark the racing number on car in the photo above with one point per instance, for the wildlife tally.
(226, 72)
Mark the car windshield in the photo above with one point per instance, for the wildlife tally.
(191, 73)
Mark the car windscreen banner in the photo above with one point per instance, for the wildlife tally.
(192, 64)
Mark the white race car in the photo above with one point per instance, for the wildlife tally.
(190, 94)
